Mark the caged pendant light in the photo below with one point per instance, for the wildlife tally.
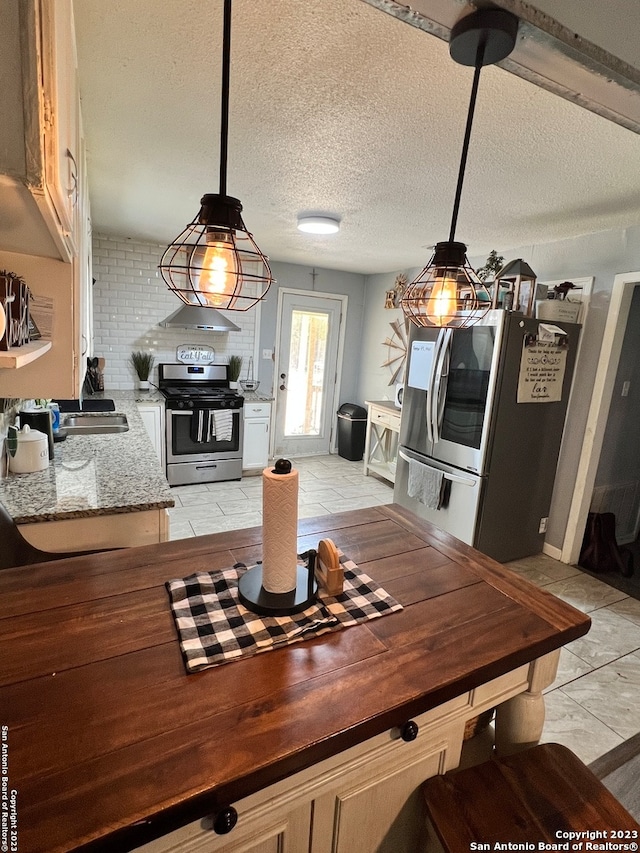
(215, 261)
(448, 293)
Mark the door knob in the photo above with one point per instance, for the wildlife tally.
(225, 820)
(409, 731)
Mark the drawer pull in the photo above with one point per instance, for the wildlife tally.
(409, 731)
(225, 820)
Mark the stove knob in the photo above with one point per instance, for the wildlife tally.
(190, 404)
(180, 404)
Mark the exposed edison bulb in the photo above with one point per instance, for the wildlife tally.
(443, 301)
(219, 269)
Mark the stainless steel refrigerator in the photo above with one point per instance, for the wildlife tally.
(483, 411)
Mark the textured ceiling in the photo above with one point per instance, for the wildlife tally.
(335, 107)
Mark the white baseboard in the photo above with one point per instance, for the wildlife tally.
(552, 551)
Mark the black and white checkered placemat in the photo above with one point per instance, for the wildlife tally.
(215, 628)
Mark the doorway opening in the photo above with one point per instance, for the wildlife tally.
(605, 386)
(309, 361)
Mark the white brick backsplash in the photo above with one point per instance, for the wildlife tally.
(130, 299)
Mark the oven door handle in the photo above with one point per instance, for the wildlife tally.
(173, 412)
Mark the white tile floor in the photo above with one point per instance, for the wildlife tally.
(595, 702)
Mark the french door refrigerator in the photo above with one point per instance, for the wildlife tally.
(485, 406)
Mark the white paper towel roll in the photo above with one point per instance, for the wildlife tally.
(279, 530)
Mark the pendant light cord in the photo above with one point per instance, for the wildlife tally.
(224, 117)
(467, 134)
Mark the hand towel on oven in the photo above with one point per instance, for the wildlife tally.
(426, 484)
(211, 425)
(222, 424)
(199, 426)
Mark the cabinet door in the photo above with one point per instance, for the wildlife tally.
(152, 418)
(83, 274)
(378, 808)
(255, 453)
(61, 125)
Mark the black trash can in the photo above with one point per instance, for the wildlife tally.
(352, 428)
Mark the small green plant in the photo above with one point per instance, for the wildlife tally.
(492, 266)
(235, 365)
(142, 363)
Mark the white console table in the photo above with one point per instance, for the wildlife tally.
(381, 443)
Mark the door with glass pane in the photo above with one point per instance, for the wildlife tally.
(306, 372)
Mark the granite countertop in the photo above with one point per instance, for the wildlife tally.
(150, 396)
(255, 397)
(93, 474)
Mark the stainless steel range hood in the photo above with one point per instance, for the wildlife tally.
(197, 317)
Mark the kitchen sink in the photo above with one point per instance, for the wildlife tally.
(93, 424)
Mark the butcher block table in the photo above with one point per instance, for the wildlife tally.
(108, 744)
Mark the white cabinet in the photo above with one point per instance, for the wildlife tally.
(257, 418)
(45, 234)
(61, 126)
(152, 415)
(381, 443)
(40, 182)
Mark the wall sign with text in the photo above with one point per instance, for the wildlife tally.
(542, 368)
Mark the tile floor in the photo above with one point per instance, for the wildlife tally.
(595, 702)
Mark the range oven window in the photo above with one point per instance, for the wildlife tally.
(196, 432)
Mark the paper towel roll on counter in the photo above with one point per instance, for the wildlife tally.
(279, 528)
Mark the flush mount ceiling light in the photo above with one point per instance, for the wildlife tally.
(312, 224)
(448, 293)
(215, 261)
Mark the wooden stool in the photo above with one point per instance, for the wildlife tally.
(539, 795)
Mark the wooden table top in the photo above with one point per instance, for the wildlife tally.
(106, 729)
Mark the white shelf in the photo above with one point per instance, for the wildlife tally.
(19, 356)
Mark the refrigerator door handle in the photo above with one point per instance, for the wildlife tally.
(463, 481)
(431, 387)
(441, 373)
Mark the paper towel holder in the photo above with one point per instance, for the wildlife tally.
(256, 598)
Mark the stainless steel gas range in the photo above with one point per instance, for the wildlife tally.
(204, 424)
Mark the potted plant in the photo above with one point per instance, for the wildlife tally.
(142, 363)
(488, 272)
(233, 371)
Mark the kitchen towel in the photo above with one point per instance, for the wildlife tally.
(215, 628)
(426, 484)
(279, 530)
(211, 425)
(222, 428)
(199, 426)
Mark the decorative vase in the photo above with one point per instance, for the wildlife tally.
(143, 385)
(233, 384)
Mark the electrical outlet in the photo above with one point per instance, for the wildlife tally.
(543, 524)
(267, 354)
(625, 388)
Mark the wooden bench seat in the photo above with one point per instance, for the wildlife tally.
(539, 795)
